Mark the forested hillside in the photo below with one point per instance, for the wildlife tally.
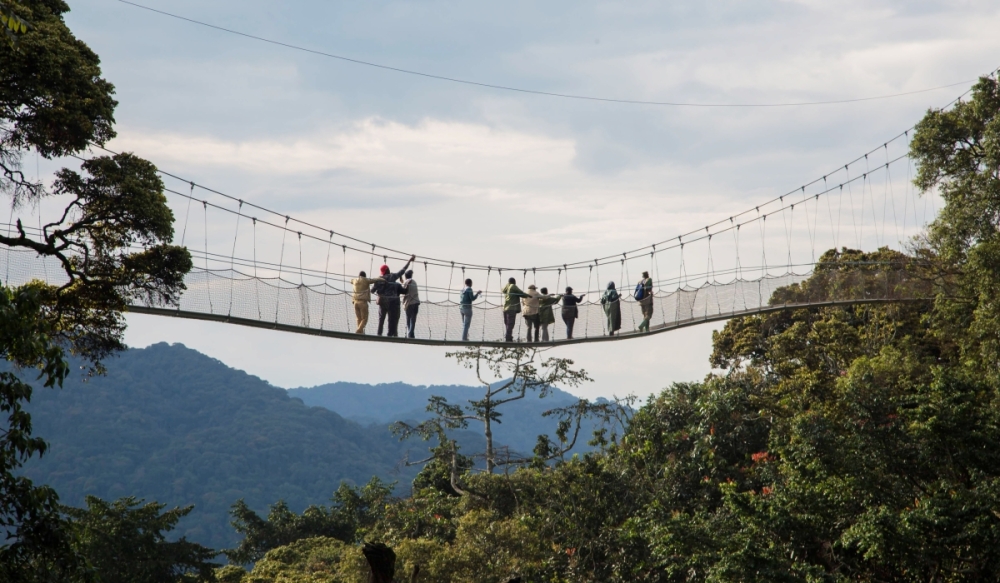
(170, 424)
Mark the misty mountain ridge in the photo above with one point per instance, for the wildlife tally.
(521, 421)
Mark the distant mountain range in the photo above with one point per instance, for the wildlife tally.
(521, 421)
(168, 423)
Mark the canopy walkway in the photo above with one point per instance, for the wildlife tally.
(261, 268)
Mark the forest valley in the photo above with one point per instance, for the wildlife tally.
(836, 444)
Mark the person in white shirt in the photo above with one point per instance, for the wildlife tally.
(530, 313)
(411, 303)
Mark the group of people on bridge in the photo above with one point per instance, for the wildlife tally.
(397, 292)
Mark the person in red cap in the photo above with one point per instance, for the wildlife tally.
(388, 297)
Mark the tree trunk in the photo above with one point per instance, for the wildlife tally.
(488, 423)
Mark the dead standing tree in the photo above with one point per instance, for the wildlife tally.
(506, 374)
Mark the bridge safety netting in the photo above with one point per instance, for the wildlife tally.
(229, 295)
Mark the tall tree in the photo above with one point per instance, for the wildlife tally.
(506, 375)
(957, 152)
(53, 99)
(113, 242)
(125, 542)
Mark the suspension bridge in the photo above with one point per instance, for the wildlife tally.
(718, 271)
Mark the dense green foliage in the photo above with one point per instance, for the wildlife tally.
(125, 542)
(52, 96)
(353, 510)
(29, 515)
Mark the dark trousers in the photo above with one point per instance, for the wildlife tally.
(389, 308)
(569, 318)
(509, 319)
(533, 323)
(411, 320)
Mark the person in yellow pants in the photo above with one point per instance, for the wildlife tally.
(363, 297)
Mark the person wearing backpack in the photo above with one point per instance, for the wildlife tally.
(612, 308)
(511, 307)
(644, 294)
(465, 308)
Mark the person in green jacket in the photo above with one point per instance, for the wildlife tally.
(612, 308)
(511, 307)
(545, 314)
(646, 303)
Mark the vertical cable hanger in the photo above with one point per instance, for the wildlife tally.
(858, 230)
(326, 287)
(427, 287)
(451, 278)
(763, 246)
(891, 193)
(232, 258)
(586, 325)
(187, 214)
(256, 280)
(281, 263)
(681, 281)
(302, 281)
(486, 298)
(208, 274)
(835, 231)
(867, 185)
(348, 293)
(625, 277)
(303, 291)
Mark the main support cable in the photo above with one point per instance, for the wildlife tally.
(580, 264)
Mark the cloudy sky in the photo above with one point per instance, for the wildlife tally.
(495, 177)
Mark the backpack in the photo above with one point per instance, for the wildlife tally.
(640, 291)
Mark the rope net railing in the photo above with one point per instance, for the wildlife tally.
(327, 309)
